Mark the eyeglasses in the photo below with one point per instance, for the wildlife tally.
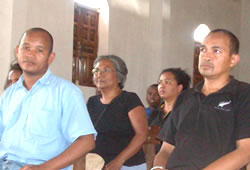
(105, 70)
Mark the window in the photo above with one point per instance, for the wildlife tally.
(199, 34)
(85, 44)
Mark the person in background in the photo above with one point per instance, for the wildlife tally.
(172, 81)
(209, 127)
(14, 73)
(153, 99)
(118, 116)
(44, 122)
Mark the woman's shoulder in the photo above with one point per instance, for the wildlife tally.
(129, 94)
(130, 99)
(94, 98)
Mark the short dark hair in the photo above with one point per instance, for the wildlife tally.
(180, 76)
(153, 85)
(234, 41)
(38, 29)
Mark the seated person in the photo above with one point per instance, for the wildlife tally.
(153, 99)
(118, 116)
(209, 127)
(172, 81)
(44, 122)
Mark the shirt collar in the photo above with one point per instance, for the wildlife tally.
(43, 80)
(228, 88)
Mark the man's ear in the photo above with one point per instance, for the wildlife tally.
(51, 57)
(234, 60)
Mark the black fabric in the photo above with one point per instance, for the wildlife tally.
(114, 128)
(204, 128)
(157, 117)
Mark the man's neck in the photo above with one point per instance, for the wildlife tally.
(214, 85)
(30, 80)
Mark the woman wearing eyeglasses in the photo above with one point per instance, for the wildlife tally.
(118, 116)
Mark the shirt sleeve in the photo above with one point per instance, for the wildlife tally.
(243, 114)
(133, 101)
(76, 121)
(168, 130)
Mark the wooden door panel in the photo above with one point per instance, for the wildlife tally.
(85, 45)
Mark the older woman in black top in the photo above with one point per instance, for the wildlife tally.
(118, 116)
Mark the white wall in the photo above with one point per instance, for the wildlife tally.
(244, 73)
(135, 35)
(5, 38)
(57, 18)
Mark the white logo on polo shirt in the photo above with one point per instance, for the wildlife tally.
(223, 103)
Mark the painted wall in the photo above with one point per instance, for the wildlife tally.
(182, 20)
(244, 72)
(148, 34)
(5, 39)
(154, 34)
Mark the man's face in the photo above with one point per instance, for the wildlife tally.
(215, 60)
(33, 53)
(153, 97)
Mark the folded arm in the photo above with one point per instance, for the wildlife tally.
(235, 159)
(162, 156)
(77, 149)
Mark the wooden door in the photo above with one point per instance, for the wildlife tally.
(85, 44)
(197, 77)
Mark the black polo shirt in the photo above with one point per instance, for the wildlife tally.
(204, 128)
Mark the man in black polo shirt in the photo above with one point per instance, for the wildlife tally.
(209, 127)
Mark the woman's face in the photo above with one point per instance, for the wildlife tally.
(168, 87)
(13, 77)
(105, 75)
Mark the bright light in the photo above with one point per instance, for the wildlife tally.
(96, 4)
(201, 32)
